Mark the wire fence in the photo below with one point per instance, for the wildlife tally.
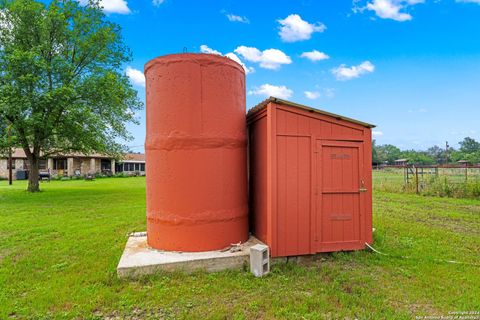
(445, 180)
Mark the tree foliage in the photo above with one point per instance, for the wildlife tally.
(469, 145)
(469, 151)
(437, 154)
(62, 87)
(388, 153)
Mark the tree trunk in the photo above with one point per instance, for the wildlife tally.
(33, 175)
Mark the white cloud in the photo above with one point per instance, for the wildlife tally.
(231, 55)
(268, 59)
(312, 95)
(235, 58)
(235, 18)
(391, 9)
(377, 133)
(293, 28)
(347, 73)
(315, 55)
(112, 6)
(206, 49)
(136, 76)
(156, 3)
(270, 90)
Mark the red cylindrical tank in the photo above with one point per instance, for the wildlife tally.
(196, 153)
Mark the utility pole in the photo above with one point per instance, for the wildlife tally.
(446, 152)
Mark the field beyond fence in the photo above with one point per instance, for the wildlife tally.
(455, 182)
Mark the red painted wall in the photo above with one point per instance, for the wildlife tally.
(317, 168)
(257, 131)
(196, 153)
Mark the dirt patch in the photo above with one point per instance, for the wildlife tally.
(471, 209)
(423, 309)
(4, 253)
(451, 224)
(135, 314)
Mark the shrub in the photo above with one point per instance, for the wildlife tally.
(121, 175)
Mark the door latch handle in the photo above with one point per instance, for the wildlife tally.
(362, 187)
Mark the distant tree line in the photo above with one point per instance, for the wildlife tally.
(469, 151)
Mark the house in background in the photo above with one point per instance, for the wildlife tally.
(132, 163)
(401, 162)
(69, 165)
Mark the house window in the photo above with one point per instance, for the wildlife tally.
(128, 166)
(137, 166)
(142, 166)
(42, 164)
(105, 165)
(13, 164)
(59, 164)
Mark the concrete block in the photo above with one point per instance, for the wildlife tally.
(259, 260)
(138, 259)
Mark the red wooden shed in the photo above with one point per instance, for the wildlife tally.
(310, 179)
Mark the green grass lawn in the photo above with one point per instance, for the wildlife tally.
(59, 250)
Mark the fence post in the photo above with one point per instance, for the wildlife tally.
(416, 178)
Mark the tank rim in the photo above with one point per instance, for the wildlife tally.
(178, 57)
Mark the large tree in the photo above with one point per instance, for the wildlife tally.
(388, 153)
(62, 88)
(469, 145)
(438, 154)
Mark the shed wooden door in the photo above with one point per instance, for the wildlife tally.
(339, 196)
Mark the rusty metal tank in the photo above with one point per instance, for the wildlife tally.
(195, 152)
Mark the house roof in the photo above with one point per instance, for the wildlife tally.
(20, 154)
(134, 157)
(262, 105)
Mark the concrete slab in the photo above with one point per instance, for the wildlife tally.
(138, 259)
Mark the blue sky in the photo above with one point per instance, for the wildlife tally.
(411, 67)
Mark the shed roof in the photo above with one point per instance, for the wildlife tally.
(262, 105)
